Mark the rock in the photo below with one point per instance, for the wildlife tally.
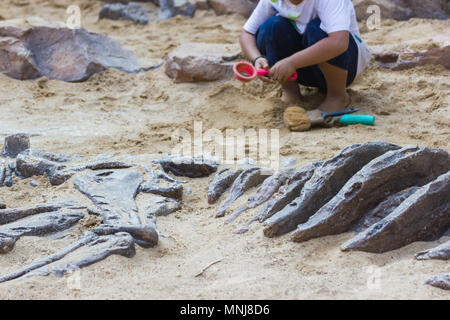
(193, 62)
(242, 7)
(2, 171)
(222, 181)
(267, 189)
(296, 119)
(184, 8)
(202, 4)
(431, 9)
(441, 281)
(105, 165)
(384, 208)
(192, 167)
(15, 59)
(2, 205)
(423, 216)
(285, 195)
(326, 182)
(37, 225)
(15, 144)
(63, 54)
(37, 163)
(441, 252)
(34, 183)
(247, 179)
(9, 170)
(161, 206)
(131, 11)
(11, 215)
(171, 8)
(113, 192)
(290, 192)
(88, 249)
(159, 184)
(407, 60)
(144, 235)
(386, 175)
(403, 9)
(6, 243)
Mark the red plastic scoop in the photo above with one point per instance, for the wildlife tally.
(245, 72)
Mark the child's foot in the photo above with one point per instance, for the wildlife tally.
(335, 103)
(291, 93)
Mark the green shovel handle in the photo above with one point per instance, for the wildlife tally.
(357, 119)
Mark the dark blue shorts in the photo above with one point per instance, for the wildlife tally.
(277, 39)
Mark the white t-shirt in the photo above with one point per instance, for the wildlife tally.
(335, 15)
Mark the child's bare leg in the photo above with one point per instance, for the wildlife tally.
(336, 79)
(291, 92)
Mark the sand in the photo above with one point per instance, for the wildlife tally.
(114, 112)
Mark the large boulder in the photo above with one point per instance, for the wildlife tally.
(60, 53)
(403, 9)
(242, 7)
(193, 62)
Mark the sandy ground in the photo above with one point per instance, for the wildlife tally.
(115, 112)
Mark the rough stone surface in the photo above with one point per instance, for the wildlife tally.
(441, 252)
(249, 178)
(267, 189)
(423, 216)
(131, 11)
(384, 176)
(113, 192)
(163, 185)
(192, 167)
(202, 4)
(407, 60)
(161, 206)
(15, 144)
(222, 181)
(2, 171)
(44, 223)
(9, 171)
(61, 54)
(288, 193)
(14, 59)
(242, 7)
(441, 281)
(144, 235)
(37, 163)
(193, 62)
(11, 215)
(171, 8)
(326, 182)
(384, 208)
(403, 9)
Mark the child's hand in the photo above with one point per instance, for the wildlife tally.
(262, 63)
(282, 70)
